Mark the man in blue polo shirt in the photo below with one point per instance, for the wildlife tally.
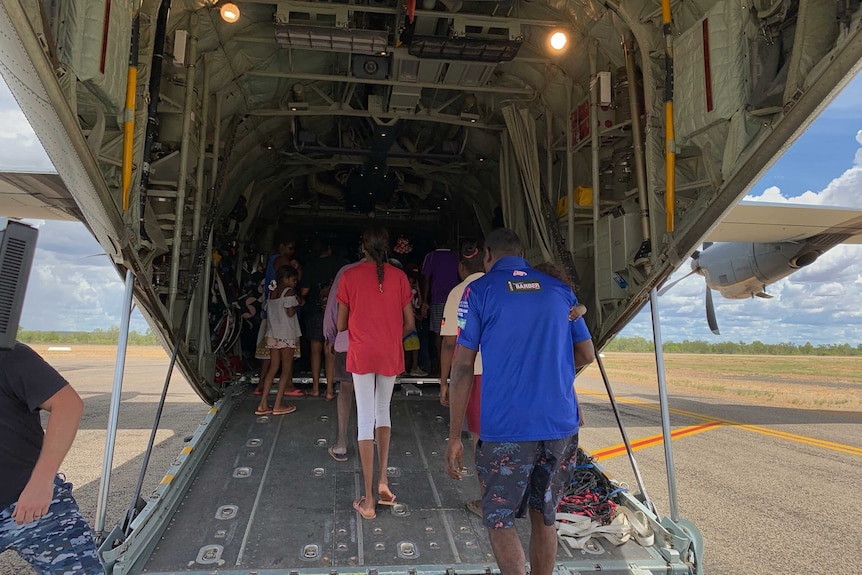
(529, 415)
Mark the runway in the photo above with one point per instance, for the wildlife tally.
(773, 489)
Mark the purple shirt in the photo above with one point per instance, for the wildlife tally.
(330, 315)
(441, 268)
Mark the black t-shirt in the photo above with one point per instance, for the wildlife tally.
(319, 273)
(26, 382)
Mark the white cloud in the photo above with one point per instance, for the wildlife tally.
(73, 286)
(843, 191)
(20, 149)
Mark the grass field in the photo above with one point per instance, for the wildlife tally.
(823, 382)
(799, 381)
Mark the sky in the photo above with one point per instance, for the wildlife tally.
(74, 287)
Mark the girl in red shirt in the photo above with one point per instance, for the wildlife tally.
(374, 302)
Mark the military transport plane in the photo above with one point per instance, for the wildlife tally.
(196, 126)
(782, 238)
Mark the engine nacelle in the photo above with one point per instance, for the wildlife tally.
(742, 270)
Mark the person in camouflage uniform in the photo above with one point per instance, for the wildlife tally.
(39, 518)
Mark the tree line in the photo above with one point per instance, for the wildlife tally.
(110, 336)
(640, 344)
(637, 344)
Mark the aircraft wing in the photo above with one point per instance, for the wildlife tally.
(37, 196)
(769, 222)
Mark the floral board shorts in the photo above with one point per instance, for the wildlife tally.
(278, 343)
(515, 475)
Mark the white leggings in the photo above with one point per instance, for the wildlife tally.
(372, 402)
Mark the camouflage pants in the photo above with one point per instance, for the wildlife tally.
(59, 543)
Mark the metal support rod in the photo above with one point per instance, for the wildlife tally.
(114, 410)
(216, 144)
(202, 150)
(663, 402)
(638, 478)
(570, 170)
(204, 343)
(669, 140)
(199, 185)
(529, 92)
(595, 142)
(129, 111)
(179, 212)
(637, 135)
(549, 155)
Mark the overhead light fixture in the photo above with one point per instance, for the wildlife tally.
(468, 117)
(296, 106)
(558, 40)
(229, 12)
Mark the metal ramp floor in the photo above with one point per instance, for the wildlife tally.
(269, 498)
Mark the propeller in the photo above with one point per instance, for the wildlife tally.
(696, 269)
(710, 308)
(710, 312)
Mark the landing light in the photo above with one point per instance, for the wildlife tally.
(229, 12)
(558, 40)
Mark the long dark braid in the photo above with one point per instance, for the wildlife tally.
(376, 242)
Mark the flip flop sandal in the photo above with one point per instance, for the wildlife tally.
(284, 411)
(295, 393)
(474, 507)
(357, 505)
(330, 397)
(263, 412)
(339, 457)
(386, 498)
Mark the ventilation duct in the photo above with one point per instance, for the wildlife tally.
(331, 39)
(465, 49)
(325, 27)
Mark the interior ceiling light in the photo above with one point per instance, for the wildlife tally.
(558, 40)
(229, 12)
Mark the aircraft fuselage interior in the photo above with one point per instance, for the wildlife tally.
(610, 135)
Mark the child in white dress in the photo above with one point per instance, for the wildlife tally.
(282, 340)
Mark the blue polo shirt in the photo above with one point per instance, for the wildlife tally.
(519, 317)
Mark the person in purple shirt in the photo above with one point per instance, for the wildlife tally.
(338, 341)
(440, 275)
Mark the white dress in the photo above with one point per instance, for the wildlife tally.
(282, 326)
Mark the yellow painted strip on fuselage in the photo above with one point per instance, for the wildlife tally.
(187, 449)
(822, 443)
(167, 479)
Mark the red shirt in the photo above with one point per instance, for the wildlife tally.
(376, 320)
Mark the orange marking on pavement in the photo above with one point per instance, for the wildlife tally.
(616, 450)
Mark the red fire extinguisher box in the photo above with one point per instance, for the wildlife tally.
(581, 121)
